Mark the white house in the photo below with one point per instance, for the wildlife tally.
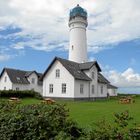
(12, 79)
(70, 80)
(112, 90)
(75, 78)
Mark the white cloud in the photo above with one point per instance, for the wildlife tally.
(110, 22)
(127, 78)
(4, 57)
(133, 61)
(92, 59)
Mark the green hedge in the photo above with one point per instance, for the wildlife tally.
(51, 122)
(36, 122)
(20, 94)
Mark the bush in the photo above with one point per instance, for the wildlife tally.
(51, 122)
(119, 130)
(36, 122)
(20, 94)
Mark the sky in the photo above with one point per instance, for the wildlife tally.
(33, 32)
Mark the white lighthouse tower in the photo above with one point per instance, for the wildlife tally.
(78, 39)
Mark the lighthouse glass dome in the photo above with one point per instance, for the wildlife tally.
(78, 11)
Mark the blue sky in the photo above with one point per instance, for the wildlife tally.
(30, 37)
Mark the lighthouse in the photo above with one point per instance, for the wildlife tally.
(77, 30)
(76, 78)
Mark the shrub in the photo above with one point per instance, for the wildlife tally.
(36, 122)
(119, 130)
(20, 94)
(51, 122)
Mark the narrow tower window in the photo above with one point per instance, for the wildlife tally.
(72, 47)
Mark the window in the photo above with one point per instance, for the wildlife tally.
(93, 76)
(81, 88)
(5, 79)
(92, 89)
(63, 88)
(18, 78)
(101, 89)
(33, 80)
(17, 88)
(57, 73)
(114, 91)
(50, 88)
(4, 88)
(72, 47)
(32, 89)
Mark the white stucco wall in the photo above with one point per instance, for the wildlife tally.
(35, 86)
(20, 86)
(112, 92)
(31, 86)
(65, 77)
(7, 84)
(78, 40)
(86, 93)
(94, 81)
(104, 94)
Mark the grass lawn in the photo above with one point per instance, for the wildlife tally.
(85, 112)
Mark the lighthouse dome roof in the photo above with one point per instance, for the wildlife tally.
(78, 11)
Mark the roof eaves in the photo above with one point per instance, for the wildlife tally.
(83, 79)
(48, 68)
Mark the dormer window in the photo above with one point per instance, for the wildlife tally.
(18, 78)
(93, 75)
(57, 73)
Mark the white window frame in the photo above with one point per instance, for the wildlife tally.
(17, 88)
(50, 88)
(81, 88)
(57, 73)
(64, 88)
